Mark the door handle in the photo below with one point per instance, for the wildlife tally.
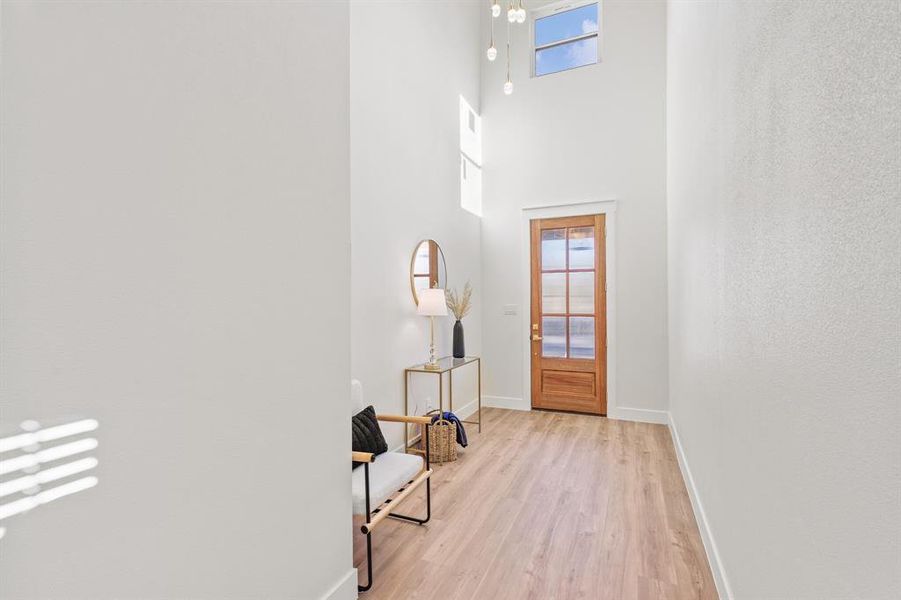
(536, 338)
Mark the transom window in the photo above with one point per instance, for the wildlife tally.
(564, 36)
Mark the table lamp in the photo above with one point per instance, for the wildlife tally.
(432, 304)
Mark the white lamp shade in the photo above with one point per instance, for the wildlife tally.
(432, 303)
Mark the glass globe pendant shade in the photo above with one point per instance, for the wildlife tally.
(495, 10)
(508, 87)
(521, 15)
(492, 53)
(511, 14)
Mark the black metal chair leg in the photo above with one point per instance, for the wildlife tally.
(363, 588)
(428, 513)
(428, 507)
(428, 490)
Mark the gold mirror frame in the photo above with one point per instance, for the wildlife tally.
(437, 270)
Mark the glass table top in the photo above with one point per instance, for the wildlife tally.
(445, 363)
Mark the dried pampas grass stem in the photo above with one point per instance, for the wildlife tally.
(460, 305)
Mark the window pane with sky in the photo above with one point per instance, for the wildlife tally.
(566, 56)
(566, 25)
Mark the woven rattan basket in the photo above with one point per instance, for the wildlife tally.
(442, 441)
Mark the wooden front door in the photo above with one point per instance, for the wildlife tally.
(569, 321)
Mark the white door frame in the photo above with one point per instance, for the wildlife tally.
(572, 209)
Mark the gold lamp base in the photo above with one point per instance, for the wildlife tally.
(431, 367)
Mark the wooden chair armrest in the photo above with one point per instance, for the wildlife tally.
(363, 457)
(405, 419)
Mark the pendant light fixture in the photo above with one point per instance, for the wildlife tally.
(520, 13)
(508, 86)
(516, 14)
(492, 51)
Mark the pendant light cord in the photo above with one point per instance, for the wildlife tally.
(491, 20)
(508, 50)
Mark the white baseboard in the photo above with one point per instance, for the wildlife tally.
(623, 413)
(642, 415)
(713, 555)
(346, 589)
(467, 410)
(506, 402)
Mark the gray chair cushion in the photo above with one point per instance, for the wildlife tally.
(387, 474)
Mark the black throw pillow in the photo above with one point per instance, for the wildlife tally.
(367, 434)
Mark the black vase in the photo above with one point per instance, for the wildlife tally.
(459, 350)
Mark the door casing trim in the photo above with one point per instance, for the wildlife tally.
(570, 209)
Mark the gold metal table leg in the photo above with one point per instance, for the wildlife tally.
(479, 365)
(450, 390)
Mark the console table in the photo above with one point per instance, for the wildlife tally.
(446, 364)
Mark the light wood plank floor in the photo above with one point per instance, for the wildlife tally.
(547, 506)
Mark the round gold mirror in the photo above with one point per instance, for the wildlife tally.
(427, 268)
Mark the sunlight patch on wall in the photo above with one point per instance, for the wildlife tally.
(470, 159)
(37, 463)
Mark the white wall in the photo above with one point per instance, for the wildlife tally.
(410, 61)
(784, 187)
(175, 225)
(594, 133)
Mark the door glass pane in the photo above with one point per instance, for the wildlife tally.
(553, 337)
(581, 337)
(553, 293)
(581, 292)
(581, 248)
(553, 249)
